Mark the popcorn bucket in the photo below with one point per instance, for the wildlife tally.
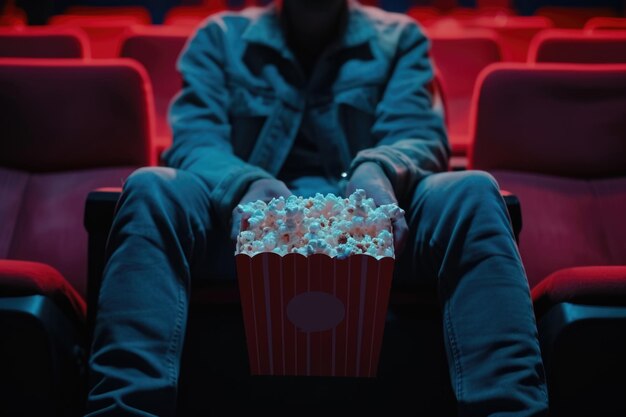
(314, 315)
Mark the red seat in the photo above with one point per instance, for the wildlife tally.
(554, 135)
(190, 15)
(157, 48)
(589, 285)
(505, 4)
(37, 42)
(486, 10)
(68, 126)
(12, 16)
(23, 278)
(424, 15)
(105, 32)
(515, 32)
(459, 59)
(573, 46)
(573, 17)
(605, 23)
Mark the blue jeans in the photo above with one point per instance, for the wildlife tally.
(460, 240)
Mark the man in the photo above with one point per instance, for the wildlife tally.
(301, 97)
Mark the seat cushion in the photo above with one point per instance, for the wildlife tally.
(43, 217)
(568, 222)
(12, 187)
(597, 285)
(21, 278)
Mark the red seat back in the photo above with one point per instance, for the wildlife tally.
(459, 59)
(139, 14)
(12, 16)
(157, 49)
(494, 3)
(572, 46)
(424, 15)
(605, 23)
(105, 32)
(553, 119)
(515, 32)
(29, 42)
(69, 127)
(573, 17)
(555, 136)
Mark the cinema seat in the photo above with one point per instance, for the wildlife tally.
(459, 58)
(504, 4)
(573, 17)
(105, 32)
(424, 15)
(42, 42)
(68, 127)
(574, 46)
(605, 23)
(13, 17)
(491, 12)
(139, 14)
(157, 48)
(515, 32)
(553, 134)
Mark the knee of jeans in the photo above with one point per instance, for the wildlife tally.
(150, 183)
(459, 194)
(476, 185)
(169, 192)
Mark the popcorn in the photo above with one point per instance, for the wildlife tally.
(331, 225)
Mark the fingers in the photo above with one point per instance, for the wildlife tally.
(400, 235)
(371, 178)
(264, 190)
(235, 226)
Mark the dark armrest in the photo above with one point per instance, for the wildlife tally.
(583, 353)
(42, 358)
(514, 208)
(99, 212)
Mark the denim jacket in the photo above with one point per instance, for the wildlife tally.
(245, 97)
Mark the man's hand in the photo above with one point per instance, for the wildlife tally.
(264, 189)
(370, 177)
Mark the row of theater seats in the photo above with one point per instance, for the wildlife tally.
(460, 53)
(552, 134)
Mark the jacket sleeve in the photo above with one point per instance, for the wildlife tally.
(409, 132)
(200, 124)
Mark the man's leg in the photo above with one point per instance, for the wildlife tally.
(461, 237)
(161, 236)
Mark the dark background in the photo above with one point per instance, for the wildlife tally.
(39, 10)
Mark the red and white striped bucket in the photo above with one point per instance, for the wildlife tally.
(315, 315)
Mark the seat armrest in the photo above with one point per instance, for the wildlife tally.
(583, 354)
(98, 218)
(514, 208)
